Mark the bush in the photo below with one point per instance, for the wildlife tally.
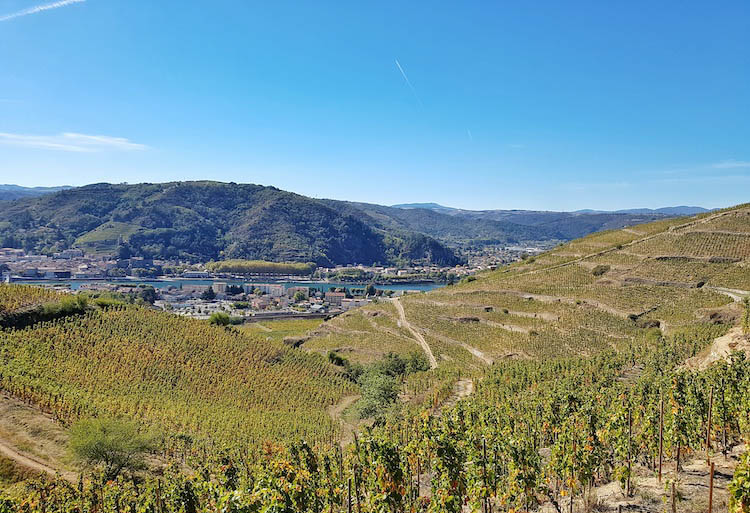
(379, 391)
(336, 359)
(219, 319)
(114, 444)
(599, 270)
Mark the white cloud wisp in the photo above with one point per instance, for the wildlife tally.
(40, 8)
(70, 141)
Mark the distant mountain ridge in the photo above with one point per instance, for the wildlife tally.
(11, 192)
(537, 224)
(681, 210)
(201, 221)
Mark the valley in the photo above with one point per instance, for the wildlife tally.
(510, 389)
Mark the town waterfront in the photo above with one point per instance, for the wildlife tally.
(323, 286)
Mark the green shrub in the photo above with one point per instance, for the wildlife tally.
(600, 270)
(379, 391)
(220, 319)
(113, 444)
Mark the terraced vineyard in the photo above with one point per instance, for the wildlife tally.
(580, 298)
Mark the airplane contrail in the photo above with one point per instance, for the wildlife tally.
(39, 8)
(408, 82)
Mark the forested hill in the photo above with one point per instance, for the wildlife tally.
(11, 192)
(199, 221)
(208, 220)
(516, 225)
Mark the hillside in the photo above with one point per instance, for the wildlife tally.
(199, 221)
(549, 382)
(505, 226)
(541, 224)
(11, 192)
(580, 298)
(181, 375)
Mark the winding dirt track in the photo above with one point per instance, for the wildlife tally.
(25, 461)
(417, 335)
(336, 411)
(737, 295)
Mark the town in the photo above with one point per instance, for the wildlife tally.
(192, 290)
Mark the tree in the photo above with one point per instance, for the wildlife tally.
(299, 296)
(746, 317)
(370, 290)
(379, 390)
(233, 290)
(219, 319)
(209, 294)
(148, 294)
(115, 444)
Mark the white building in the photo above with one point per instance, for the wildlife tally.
(347, 304)
(273, 290)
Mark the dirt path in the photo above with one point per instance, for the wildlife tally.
(736, 294)
(473, 350)
(507, 327)
(32, 438)
(25, 461)
(417, 335)
(336, 410)
(461, 389)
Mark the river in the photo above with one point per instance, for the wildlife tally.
(324, 286)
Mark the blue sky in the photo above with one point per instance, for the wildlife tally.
(543, 105)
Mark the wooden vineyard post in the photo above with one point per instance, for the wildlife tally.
(661, 435)
(572, 475)
(630, 445)
(356, 488)
(484, 473)
(708, 427)
(711, 489)
(419, 480)
(159, 506)
(349, 498)
(674, 499)
(723, 422)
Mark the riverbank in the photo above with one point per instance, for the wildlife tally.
(163, 283)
